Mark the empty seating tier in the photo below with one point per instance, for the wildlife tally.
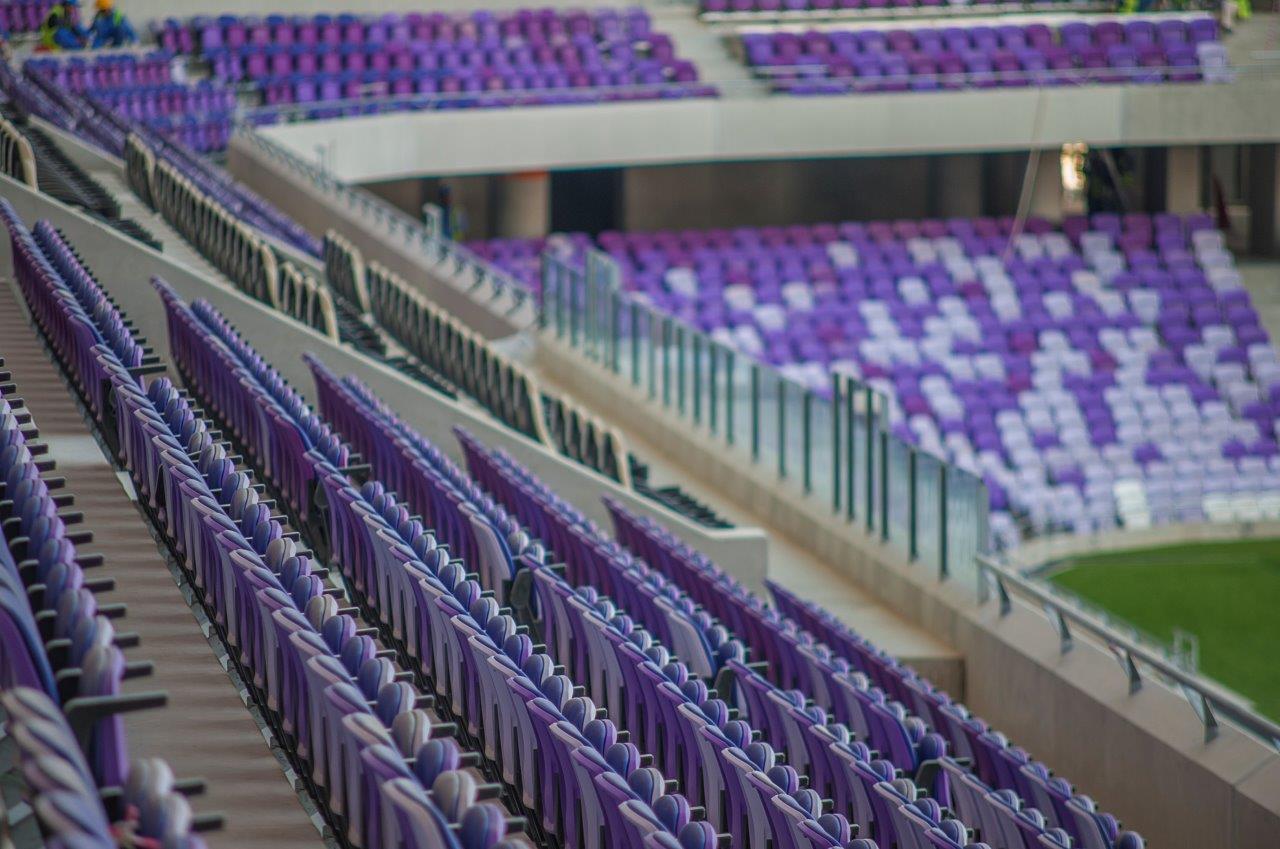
(1106, 371)
(324, 66)
(931, 58)
(143, 88)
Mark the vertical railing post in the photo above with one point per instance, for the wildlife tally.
(681, 368)
(542, 292)
(666, 361)
(633, 313)
(653, 329)
(755, 411)
(806, 444)
(850, 465)
(713, 393)
(697, 376)
(835, 443)
(730, 372)
(782, 428)
(615, 329)
(870, 401)
(913, 540)
(943, 566)
(884, 484)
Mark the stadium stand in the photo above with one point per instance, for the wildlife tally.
(935, 58)
(23, 16)
(754, 10)
(1005, 352)
(142, 87)
(453, 546)
(326, 64)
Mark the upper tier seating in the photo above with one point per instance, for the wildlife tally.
(1111, 370)
(837, 8)
(141, 87)
(440, 61)
(23, 15)
(1011, 55)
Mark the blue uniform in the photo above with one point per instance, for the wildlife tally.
(112, 29)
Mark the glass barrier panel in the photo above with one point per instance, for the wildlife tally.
(897, 499)
(928, 514)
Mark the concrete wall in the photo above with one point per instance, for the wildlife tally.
(1142, 756)
(125, 269)
(745, 129)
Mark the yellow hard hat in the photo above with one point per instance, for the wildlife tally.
(105, 5)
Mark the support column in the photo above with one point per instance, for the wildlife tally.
(524, 204)
(1046, 192)
(1263, 196)
(1182, 190)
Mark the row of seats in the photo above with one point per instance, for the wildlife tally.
(31, 157)
(569, 620)
(477, 27)
(997, 771)
(835, 8)
(930, 58)
(62, 666)
(488, 538)
(139, 89)
(522, 57)
(37, 94)
(306, 299)
(23, 15)
(448, 347)
(107, 71)
(356, 728)
(17, 160)
(224, 238)
(551, 744)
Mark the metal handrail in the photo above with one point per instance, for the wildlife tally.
(414, 233)
(997, 581)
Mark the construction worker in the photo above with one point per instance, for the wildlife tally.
(110, 27)
(61, 28)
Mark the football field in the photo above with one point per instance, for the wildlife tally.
(1226, 594)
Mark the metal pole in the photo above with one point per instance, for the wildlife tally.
(697, 377)
(634, 314)
(835, 443)
(942, 521)
(884, 485)
(730, 375)
(850, 440)
(806, 458)
(713, 394)
(913, 542)
(782, 428)
(871, 454)
(755, 411)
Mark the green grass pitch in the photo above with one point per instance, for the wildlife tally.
(1226, 593)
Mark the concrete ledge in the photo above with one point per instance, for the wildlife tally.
(728, 129)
